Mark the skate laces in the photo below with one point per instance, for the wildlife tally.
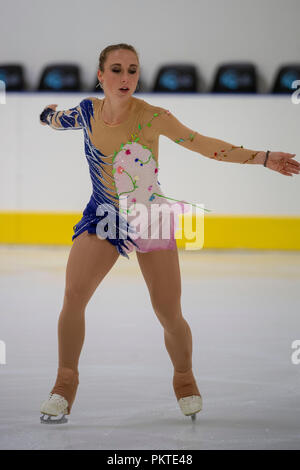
(58, 399)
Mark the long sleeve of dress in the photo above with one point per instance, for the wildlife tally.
(168, 125)
(72, 118)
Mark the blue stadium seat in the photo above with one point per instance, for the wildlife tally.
(176, 78)
(235, 78)
(60, 77)
(285, 77)
(13, 76)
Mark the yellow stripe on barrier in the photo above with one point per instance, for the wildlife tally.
(37, 228)
(219, 231)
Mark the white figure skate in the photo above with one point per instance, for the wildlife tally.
(55, 406)
(190, 405)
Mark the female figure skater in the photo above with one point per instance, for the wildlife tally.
(121, 136)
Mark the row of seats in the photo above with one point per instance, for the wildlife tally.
(173, 78)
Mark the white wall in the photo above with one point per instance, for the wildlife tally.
(205, 32)
(42, 169)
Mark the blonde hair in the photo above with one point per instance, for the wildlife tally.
(114, 47)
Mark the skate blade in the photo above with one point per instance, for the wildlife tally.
(193, 414)
(50, 419)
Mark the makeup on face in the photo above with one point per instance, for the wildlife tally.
(116, 68)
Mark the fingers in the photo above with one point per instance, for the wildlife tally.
(293, 165)
(292, 169)
(290, 155)
(285, 173)
(52, 106)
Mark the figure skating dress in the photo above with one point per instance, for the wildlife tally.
(127, 205)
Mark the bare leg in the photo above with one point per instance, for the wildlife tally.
(161, 272)
(90, 259)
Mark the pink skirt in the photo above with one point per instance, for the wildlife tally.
(159, 234)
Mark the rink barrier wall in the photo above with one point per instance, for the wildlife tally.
(45, 182)
(220, 231)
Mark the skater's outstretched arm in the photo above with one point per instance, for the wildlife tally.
(167, 124)
(73, 118)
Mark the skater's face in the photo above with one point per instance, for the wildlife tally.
(121, 69)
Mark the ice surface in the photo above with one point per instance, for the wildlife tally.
(243, 310)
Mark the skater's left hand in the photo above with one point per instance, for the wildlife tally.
(283, 163)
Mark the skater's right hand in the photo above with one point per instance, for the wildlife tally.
(52, 106)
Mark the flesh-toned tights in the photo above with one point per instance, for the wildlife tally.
(90, 259)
